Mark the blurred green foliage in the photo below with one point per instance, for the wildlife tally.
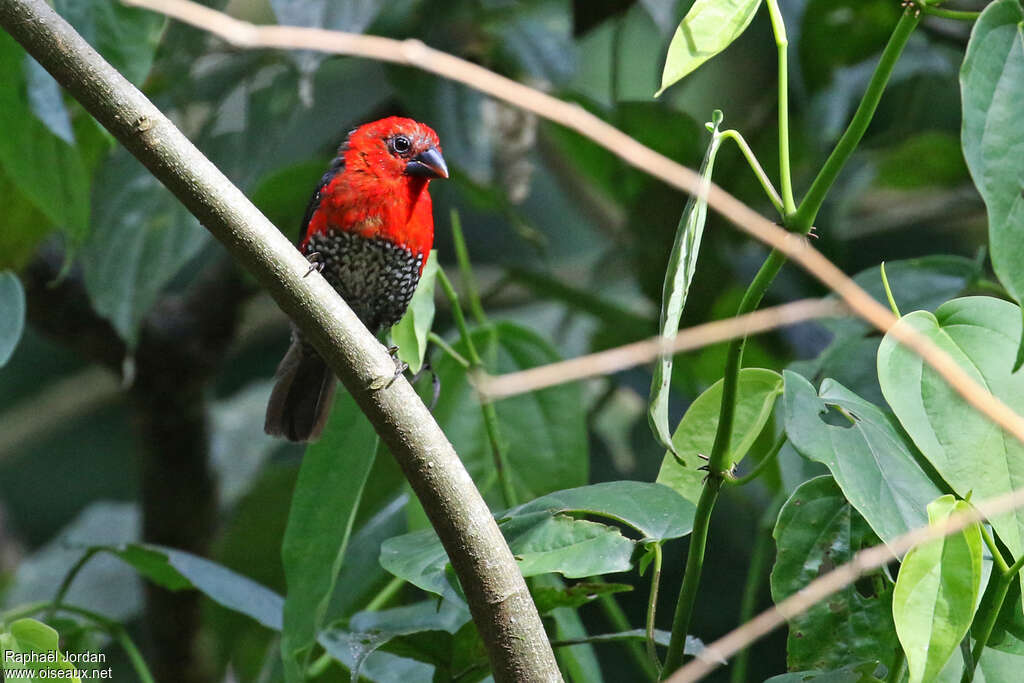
(569, 247)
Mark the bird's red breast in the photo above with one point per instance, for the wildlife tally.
(379, 189)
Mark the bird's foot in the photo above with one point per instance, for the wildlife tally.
(315, 262)
(812, 233)
(400, 365)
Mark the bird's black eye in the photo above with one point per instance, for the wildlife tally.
(401, 144)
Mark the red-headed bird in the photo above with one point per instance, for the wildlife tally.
(371, 227)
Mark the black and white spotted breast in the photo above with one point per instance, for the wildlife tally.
(374, 276)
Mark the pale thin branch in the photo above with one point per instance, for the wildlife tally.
(821, 588)
(61, 402)
(493, 387)
(414, 53)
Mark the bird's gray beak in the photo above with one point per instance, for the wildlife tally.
(428, 164)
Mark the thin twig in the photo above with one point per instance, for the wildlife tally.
(415, 54)
(821, 588)
(621, 358)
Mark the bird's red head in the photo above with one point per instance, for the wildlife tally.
(396, 149)
(381, 189)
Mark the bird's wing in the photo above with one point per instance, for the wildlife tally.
(336, 167)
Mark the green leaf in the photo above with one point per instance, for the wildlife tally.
(542, 543)
(818, 530)
(544, 431)
(28, 640)
(917, 284)
(422, 631)
(992, 86)
(538, 36)
(410, 333)
(1008, 631)
(861, 672)
(930, 159)
(548, 598)
(682, 263)
(756, 394)
(25, 226)
(419, 558)
(575, 548)
(923, 283)
(154, 564)
(178, 570)
(834, 34)
(324, 507)
(708, 28)
(936, 593)
(12, 314)
(995, 667)
(44, 168)
(865, 451)
(47, 101)
(656, 511)
(141, 237)
(282, 195)
(579, 662)
(970, 453)
(643, 121)
(545, 539)
(127, 37)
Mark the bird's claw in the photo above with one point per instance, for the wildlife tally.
(400, 365)
(315, 263)
(812, 233)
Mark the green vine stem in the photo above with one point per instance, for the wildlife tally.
(888, 292)
(466, 270)
(448, 349)
(476, 364)
(782, 45)
(760, 467)
(709, 495)
(377, 603)
(620, 623)
(759, 556)
(652, 607)
(22, 611)
(895, 673)
(69, 578)
(811, 204)
(997, 556)
(801, 221)
(755, 166)
(995, 596)
(959, 15)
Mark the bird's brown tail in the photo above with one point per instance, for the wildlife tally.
(302, 396)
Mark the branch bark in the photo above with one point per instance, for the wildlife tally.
(497, 594)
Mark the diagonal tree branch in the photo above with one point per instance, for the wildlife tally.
(497, 594)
